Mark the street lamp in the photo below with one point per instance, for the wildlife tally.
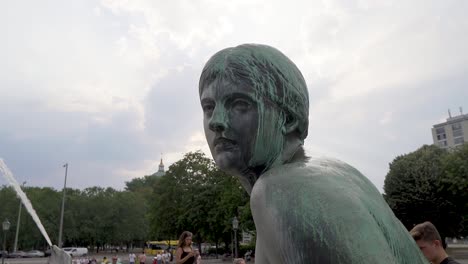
(15, 245)
(235, 226)
(63, 207)
(5, 227)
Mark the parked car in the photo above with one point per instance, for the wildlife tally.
(3, 253)
(17, 254)
(76, 251)
(34, 254)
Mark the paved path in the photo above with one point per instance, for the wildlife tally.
(44, 261)
(125, 260)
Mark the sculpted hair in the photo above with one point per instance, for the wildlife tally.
(182, 238)
(272, 75)
(425, 231)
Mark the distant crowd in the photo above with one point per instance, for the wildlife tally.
(425, 235)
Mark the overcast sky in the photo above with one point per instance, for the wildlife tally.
(108, 86)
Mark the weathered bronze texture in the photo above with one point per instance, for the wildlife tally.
(255, 106)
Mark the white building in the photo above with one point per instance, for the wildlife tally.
(453, 132)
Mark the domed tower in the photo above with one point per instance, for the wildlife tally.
(160, 171)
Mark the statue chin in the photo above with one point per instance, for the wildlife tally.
(229, 162)
(59, 256)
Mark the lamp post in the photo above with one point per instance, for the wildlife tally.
(63, 207)
(15, 245)
(235, 226)
(5, 227)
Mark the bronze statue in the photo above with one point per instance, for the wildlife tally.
(255, 106)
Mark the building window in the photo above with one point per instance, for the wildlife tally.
(440, 130)
(458, 141)
(457, 130)
(443, 143)
(441, 137)
(458, 133)
(456, 126)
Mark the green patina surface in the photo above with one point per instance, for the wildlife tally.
(305, 210)
(277, 83)
(328, 212)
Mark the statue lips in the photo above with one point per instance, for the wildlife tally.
(224, 144)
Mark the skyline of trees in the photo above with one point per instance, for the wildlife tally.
(429, 184)
(149, 208)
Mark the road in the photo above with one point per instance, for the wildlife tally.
(125, 261)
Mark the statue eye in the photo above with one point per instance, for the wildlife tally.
(241, 105)
(208, 108)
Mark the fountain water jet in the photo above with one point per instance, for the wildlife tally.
(9, 177)
(58, 255)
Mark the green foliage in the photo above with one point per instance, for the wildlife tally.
(427, 185)
(143, 186)
(93, 217)
(455, 166)
(194, 195)
(454, 185)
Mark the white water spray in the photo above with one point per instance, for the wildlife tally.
(24, 199)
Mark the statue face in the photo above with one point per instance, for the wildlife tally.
(231, 122)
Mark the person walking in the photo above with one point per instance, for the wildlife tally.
(430, 243)
(105, 260)
(166, 257)
(185, 254)
(131, 258)
(142, 258)
(159, 258)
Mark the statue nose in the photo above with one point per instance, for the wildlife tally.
(217, 127)
(218, 121)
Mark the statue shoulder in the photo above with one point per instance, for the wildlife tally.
(326, 192)
(317, 173)
(320, 206)
(314, 186)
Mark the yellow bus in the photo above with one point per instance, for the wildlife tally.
(158, 247)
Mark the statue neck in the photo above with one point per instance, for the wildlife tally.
(293, 151)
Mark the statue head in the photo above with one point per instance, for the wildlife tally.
(254, 100)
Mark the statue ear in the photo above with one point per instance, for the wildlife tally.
(290, 125)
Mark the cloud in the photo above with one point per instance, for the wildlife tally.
(351, 129)
(108, 86)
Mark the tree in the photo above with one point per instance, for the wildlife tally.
(454, 185)
(143, 186)
(8, 210)
(183, 196)
(94, 217)
(194, 195)
(46, 202)
(231, 201)
(414, 190)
